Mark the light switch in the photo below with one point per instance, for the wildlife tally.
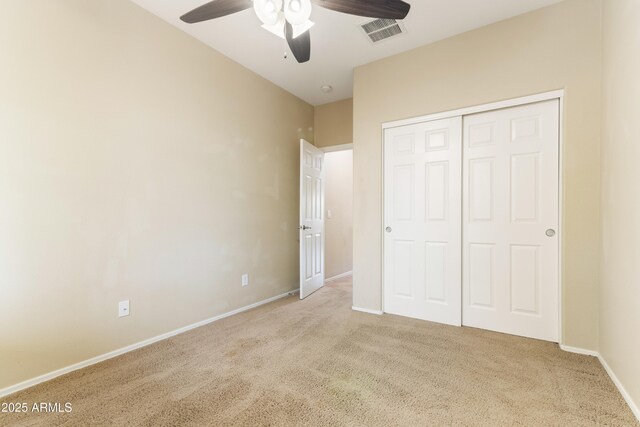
(329, 214)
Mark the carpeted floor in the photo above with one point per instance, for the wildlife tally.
(317, 362)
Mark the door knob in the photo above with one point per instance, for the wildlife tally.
(388, 229)
(550, 232)
(304, 227)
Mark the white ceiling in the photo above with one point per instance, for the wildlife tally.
(338, 45)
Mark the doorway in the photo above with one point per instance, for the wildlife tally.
(338, 214)
(326, 215)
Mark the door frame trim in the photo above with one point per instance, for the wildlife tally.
(483, 108)
(334, 148)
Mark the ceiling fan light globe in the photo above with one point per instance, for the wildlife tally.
(297, 12)
(268, 11)
(302, 28)
(277, 28)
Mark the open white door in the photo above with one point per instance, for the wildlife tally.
(311, 219)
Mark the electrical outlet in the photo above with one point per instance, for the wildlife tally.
(245, 280)
(123, 308)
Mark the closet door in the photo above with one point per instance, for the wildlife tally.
(510, 221)
(422, 221)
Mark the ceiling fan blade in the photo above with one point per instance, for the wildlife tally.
(300, 46)
(215, 9)
(384, 9)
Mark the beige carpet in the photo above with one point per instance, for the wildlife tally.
(316, 362)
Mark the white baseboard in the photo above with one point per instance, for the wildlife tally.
(627, 397)
(51, 375)
(366, 310)
(579, 350)
(338, 276)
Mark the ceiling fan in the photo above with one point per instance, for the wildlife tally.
(289, 19)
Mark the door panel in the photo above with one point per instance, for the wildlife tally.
(525, 179)
(481, 189)
(481, 275)
(404, 186)
(510, 194)
(311, 219)
(422, 252)
(435, 271)
(437, 191)
(403, 268)
(524, 280)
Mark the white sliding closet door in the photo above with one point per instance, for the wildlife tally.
(510, 221)
(422, 220)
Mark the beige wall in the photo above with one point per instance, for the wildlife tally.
(334, 123)
(620, 290)
(135, 162)
(339, 200)
(552, 48)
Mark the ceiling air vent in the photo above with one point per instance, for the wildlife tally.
(382, 29)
